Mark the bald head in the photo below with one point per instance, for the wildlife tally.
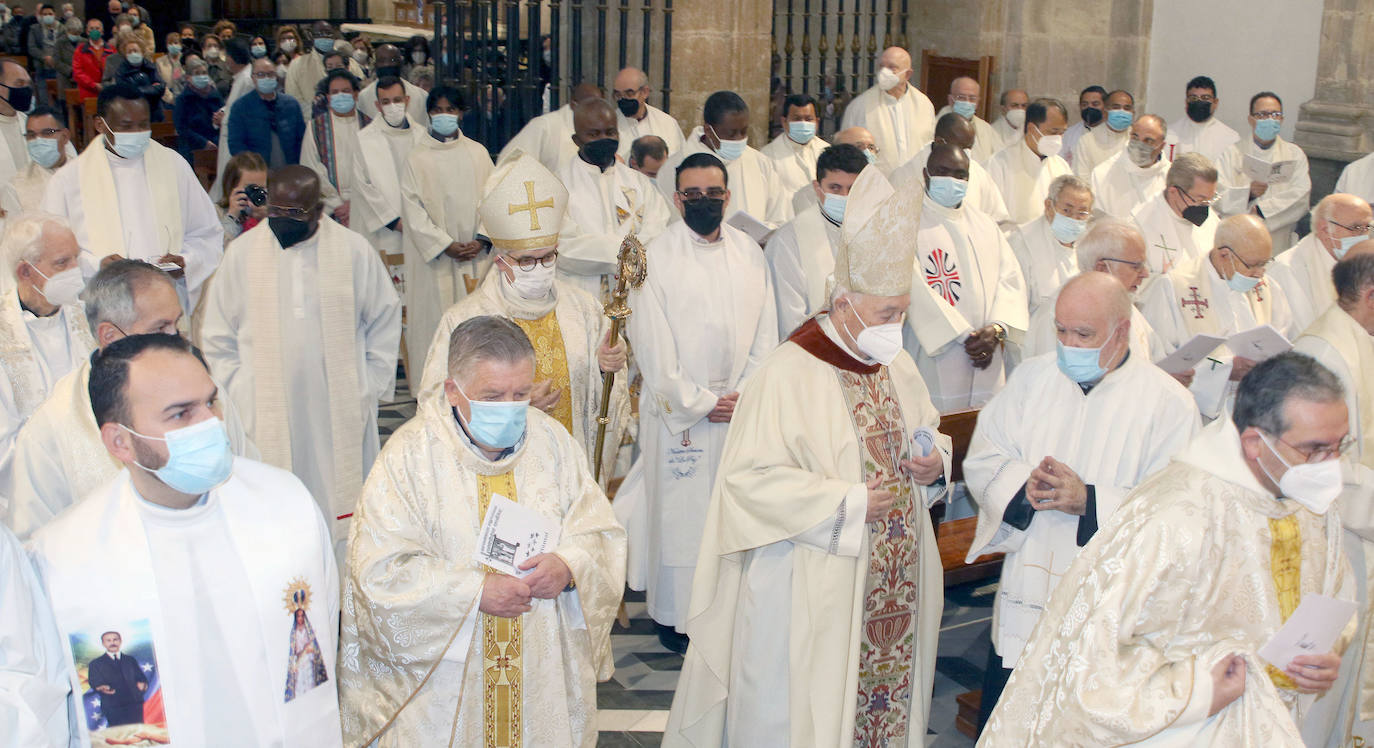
(859, 138)
(1095, 294)
(295, 186)
(964, 86)
(1341, 221)
(388, 56)
(594, 120)
(1115, 247)
(954, 130)
(947, 160)
(630, 79)
(584, 91)
(896, 58)
(1093, 311)
(1246, 237)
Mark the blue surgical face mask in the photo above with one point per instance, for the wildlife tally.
(801, 132)
(833, 207)
(134, 58)
(947, 191)
(1081, 364)
(495, 424)
(1240, 283)
(1267, 129)
(258, 50)
(324, 45)
(201, 81)
(44, 151)
(1347, 242)
(342, 102)
(729, 150)
(174, 50)
(965, 109)
(1067, 230)
(444, 124)
(1119, 119)
(198, 457)
(266, 86)
(132, 144)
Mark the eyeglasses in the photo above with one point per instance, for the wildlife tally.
(1137, 266)
(628, 93)
(969, 98)
(52, 132)
(1363, 229)
(1199, 201)
(527, 263)
(715, 193)
(1267, 115)
(1068, 212)
(1248, 266)
(1323, 452)
(1203, 97)
(281, 211)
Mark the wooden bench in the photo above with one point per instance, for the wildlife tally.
(75, 122)
(205, 163)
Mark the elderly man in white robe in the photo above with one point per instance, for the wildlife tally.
(388, 61)
(971, 298)
(473, 636)
(383, 148)
(1265, 175)
(569, 328)
(607, 200)
(548, 137)
(128, 196)
(36, 703)
(955, 130)
(1010, 124)
(818, 537)
(635, 118)
(50, 148)
(1199, 130)
(1339, 222)
(1133, 646)
(900, 117)
(1357, 178)
(1102, 142)
(1056, 452)
(1221, 293)
(302, 326)
(1135, 174)
(1023, 170)
(444, 253)
(1044, 248)
(795, 150)
(964, 97)
(58, 456)
(209, 547)
(1178, 222)
(703, 320)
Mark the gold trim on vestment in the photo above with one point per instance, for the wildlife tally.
(534, 242)
(551, 362)
(1285, 565)
(502, 650)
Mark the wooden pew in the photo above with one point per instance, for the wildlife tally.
(206, 166)
(75, 122)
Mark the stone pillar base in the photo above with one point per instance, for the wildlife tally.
(1332, 135)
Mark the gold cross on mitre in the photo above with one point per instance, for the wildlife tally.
(532, 206)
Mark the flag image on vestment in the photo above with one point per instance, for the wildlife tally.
(121, 690)
(942, 275)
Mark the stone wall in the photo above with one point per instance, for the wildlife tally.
(721, 45)
(1337, 125)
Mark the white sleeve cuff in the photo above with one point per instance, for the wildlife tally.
(841, 533)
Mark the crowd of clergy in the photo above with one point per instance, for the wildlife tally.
(1172, 390)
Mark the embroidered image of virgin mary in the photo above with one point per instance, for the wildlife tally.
(305, 667)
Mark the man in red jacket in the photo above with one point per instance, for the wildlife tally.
(88, 60)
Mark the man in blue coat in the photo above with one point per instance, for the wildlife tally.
(269, 123)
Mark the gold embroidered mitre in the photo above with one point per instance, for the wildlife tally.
(523, 205)
(878, 238)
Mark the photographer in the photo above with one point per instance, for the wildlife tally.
(245, 203)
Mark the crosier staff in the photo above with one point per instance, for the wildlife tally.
(631, 271)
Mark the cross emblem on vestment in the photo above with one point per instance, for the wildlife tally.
(1168, 253)
(1198, 303)
(1259, 291)
(532, 206)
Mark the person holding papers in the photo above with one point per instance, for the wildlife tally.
(1265, 175)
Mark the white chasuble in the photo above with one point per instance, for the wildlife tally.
(604, 206)
(1169, 238)
(986, 141)
(1096, 147)
(1357, 178)
(1304, 274)
(330, 148)
(900, 126)
(547, 137)
(219, 607)
(795, 163)
(1118, 185)
(383, 151)
(1210, 138)
(1045, 262)
(754, 185)
(982, 193)
(1023, 179)
(801, 259)
(655, 122)
(416, 663)
(1283, 203)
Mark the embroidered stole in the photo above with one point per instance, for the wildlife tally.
(502, 649)
(323, 132)
(1193, 289)
(17, 360)
(550, 362)
(1285, 566)
(105, 227)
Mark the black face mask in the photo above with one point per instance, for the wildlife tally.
(1091, 116)
(393, 71)
(20, 98)
(628, 107)
(1196, 214)
(601, 153)
(703, 215)
(289, 231)
(1199, 111)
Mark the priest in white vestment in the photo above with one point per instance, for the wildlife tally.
(1152, 635)
(724, 134)
(606, 201)
(795, 150)
(58, 456)
(1339, 223)
(1357, 178)
(567, 326)
(818, 594)
(1220, 293)
(469, 640)
(703, 320)
(1108, 139)
(1010, 124)
(1092, 105)
(982, 193)
(900, 117)
(964, 95)
(226, 594)
(383, 148)
(1056, 452)
(307, 69)
(1265, 175)
(128, 196)
(388, 61)
(1199, 130)
(801, 254)
(49, 148)
(1178, 222)
(1135, 174)
(970, 295)
(14, 107)
(441, 185)
(548, 137)
(1044, 248)
(1023, 170)
(330, 146)
(635, 118)
(302, 326)
(855, 136)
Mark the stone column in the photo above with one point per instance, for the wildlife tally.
(1337, 125)
(721, 45)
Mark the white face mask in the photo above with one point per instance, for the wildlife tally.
(62, 288)
(394, 114)
(1016, 118)
(881, 343)
(1049, 145)
(1313, 484)
(534, 283)
(888, 78)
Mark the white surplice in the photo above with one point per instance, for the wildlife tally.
(655, 122)
(1045, 262)
(900, 126)
(753, 183)
(794, 163)
(964, 263)
(1119, 185)
(345, 146)
(801, 258)
(1169, 238)
(547, 137)
(986, 141)
(604, 206)
(1096, 146)
(1071, 137)
(1282, 205)
(441, 186)
(415, 108)
(37, 709)
(1357, 178)
(702, 322)
(1023, 179)
(1042, 337)
(210, 589)
(982, 193)
(24, 193)
(1125, 428)
(1211, 138)
(1304, 274)
(14, 153)
(377, 181)
(1006, 131)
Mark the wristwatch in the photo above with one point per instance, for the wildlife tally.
(1000, 332)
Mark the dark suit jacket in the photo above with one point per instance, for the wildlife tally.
(123, 676)
(252, 121)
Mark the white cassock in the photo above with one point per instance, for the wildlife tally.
(1304, 274)
(141, 209)
(1192, 299)
(1169, 238)
(14, 156)
(418, 658)
(604, 206)
(982, 193)
(547, 137)
(801, 258)
(1096, 146)
(1008, 133)
(966, 278)
(243, 83)
(336, 163)
(1137, 623)
(1211, 138)
(1282, 205)
(59, 457)
(655, 122)
(1119, 185)
(753, 183)
(794, 163)
(415, 108)
(1042, 337)
(793, 588)
(900, 127)
(986, 141)
(703, 320)
(36, 704)
(566, 329)
(1357, 178)
(435, 216)
(377, 181)
(1071, 138)
(304, 342)
(1122, 430)
(1045, 262)
(204, 600)
(305, 73)
(1023, 179)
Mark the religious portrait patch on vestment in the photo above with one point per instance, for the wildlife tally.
(120, 688)
(305, 667)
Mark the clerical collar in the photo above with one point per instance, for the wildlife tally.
(818, 342)
(36, 315)
(955, 213)
(466, 438)
(700, 240)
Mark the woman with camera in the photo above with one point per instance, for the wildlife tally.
(245, 203)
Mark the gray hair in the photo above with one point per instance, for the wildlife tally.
(1105, 238)
(486, 338)
(1264, 393)
(1352, 276)
(1068, 181)
(1163, 126)
(23, 239)
(1188, 168)
(110, 295)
